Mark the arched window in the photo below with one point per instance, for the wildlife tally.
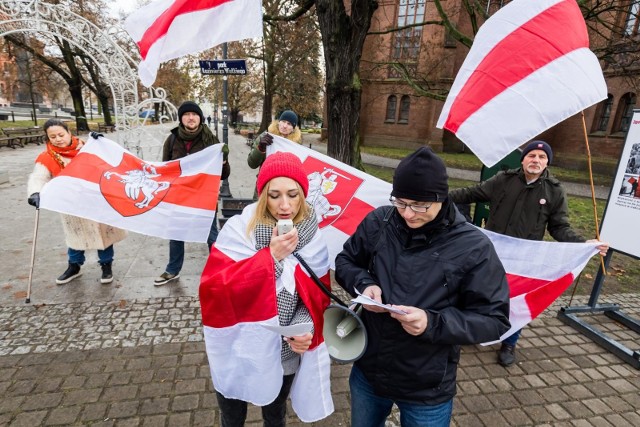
(625, 112)
(392, 102)
(603, 113)
(405, 103)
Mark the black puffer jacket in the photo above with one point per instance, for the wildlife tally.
(453, 273)
(522, 210)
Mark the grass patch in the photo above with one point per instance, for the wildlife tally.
(470, 162)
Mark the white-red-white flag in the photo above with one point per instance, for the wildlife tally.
(106, 183)
(238, 297)
(169, 29)
(340, 194)
(538, 273)
(529, 68)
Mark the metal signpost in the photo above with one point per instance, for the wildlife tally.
(224, 67)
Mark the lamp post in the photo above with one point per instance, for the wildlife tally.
(224, 188)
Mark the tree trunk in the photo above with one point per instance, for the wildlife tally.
(267, 101)
(343, 38)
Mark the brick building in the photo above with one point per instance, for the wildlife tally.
(397, 113)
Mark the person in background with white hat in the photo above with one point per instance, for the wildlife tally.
(523, 203)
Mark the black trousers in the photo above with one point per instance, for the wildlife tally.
(233, 412)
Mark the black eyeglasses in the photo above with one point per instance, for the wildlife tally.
(402, 205)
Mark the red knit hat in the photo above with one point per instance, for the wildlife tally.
(282, 164)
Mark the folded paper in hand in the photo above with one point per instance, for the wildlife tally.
(362, 299)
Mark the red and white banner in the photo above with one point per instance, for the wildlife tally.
(538, 273)
(340, 194)
(106, 183)
(169, 29)
(529, 68)
(238, 298)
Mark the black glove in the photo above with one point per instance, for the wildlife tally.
(34, 200)
(265, 140)
(96, 135)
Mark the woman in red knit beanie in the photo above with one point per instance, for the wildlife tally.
(252, 280)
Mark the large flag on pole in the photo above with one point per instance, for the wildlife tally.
(169, 29)
(106, 183)
(537, 272)
(529, 68)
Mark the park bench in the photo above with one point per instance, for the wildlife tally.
(103, 127)
(21, 136)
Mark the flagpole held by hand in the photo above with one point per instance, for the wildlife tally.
(33, 256)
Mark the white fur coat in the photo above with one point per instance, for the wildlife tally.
(80, 233)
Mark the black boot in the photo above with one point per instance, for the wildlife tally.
(71, 273)
(507, 355)
(107, 275)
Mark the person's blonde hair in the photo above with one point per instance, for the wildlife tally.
(262, 215)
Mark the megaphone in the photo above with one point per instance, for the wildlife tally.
(344, 333)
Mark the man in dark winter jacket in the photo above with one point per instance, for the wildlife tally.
(523, 203)
(190, 136)
(421, 256)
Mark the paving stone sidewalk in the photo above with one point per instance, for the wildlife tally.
(131, 354)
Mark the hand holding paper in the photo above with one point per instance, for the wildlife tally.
(365, 300)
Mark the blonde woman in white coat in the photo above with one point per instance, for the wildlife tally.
(80, 234)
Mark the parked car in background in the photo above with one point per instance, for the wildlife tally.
(147, 114)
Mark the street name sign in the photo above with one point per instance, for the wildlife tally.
(224, 67)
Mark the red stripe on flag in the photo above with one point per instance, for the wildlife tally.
(189, 194)
(352, 216)
(248, 299)
(184, 190)
(539, 294)
(315, 300)
(518, 55)
(160, 27)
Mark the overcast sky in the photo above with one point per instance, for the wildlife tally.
(127, 6)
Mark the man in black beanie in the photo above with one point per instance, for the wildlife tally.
(421, 256)
(523, 203)
(190, 136)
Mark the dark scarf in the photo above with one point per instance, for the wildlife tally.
(203, 134)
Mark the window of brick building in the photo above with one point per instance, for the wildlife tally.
(603, 114)
(625, 112)
(405, 103)
(406, 43)
(633, 18)
(392, 103)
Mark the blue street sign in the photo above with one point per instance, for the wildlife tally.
(224, 67)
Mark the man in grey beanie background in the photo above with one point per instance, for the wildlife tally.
(421, 256)
(523, 203)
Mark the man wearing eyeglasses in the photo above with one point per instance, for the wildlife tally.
(423, 258)
(523, 203)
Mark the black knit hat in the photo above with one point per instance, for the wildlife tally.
(421, 176)
(190, 107)
(289, 116)
(538, 145)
